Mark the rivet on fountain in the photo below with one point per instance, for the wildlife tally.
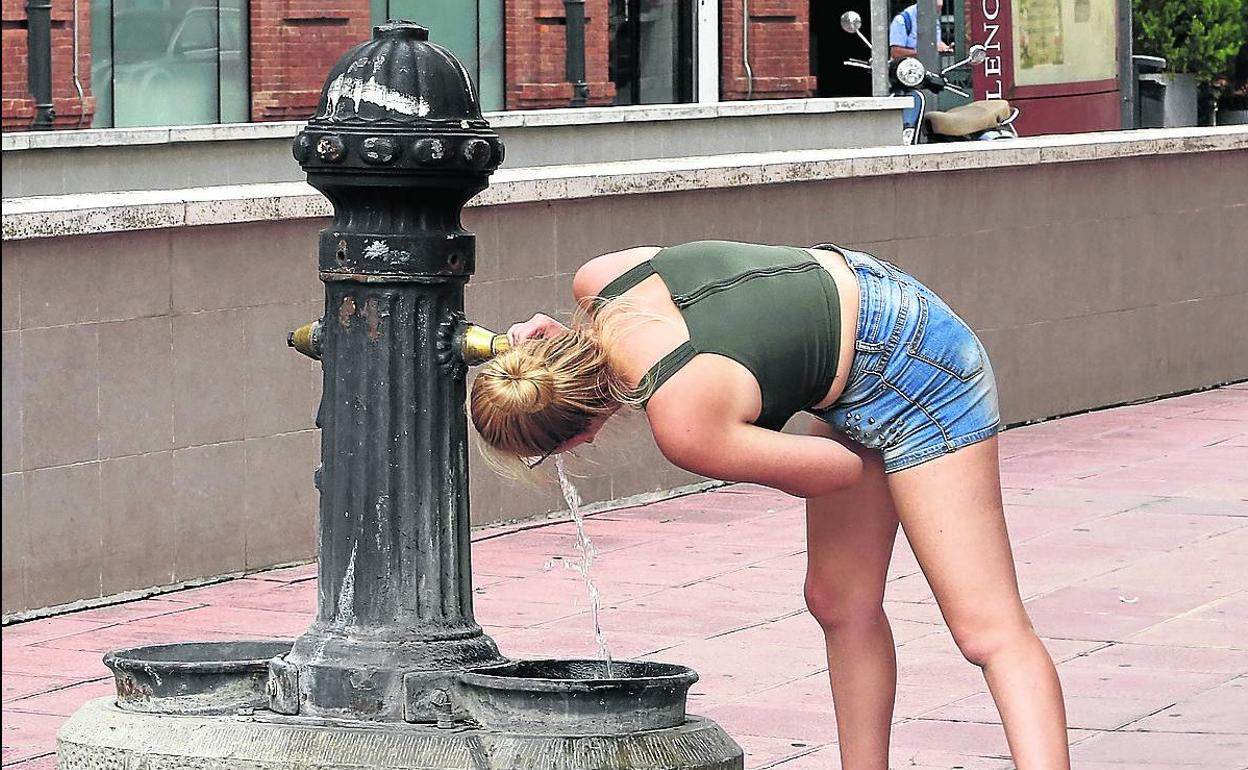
(395, 671)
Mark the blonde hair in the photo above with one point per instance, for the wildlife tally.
(529, 400)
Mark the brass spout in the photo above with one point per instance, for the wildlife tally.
(307, 339)
(478, 344)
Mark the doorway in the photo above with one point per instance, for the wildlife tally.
(830, 46)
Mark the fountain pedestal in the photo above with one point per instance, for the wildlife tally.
(395, 672)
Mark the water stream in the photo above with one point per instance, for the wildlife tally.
(588, 554)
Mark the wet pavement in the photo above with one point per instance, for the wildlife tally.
(1130, 529)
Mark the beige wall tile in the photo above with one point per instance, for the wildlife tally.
(60, 395)
(481, 305)
(210, 529)
(209, 371)
(10, 283)
(520, 298)
(136, 386)
(232, 266)
(11, 385)
(281, 395)
(483, 222)
(134, 277)
(527, 240)
(59, 284)
(280, 499)
(15, 540)
(65, 533)
(137, 507)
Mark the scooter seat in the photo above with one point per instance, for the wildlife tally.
(969, 118)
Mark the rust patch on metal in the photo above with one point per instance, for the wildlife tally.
(374, 318)
(345, 311)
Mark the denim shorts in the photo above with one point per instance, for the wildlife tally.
(920, 385)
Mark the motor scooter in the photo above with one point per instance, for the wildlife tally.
(983, 120)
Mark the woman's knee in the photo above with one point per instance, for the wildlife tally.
(984, 643)
(837, 608)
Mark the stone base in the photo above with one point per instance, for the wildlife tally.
(101, 736)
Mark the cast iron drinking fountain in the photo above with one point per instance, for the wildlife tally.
(394, 672)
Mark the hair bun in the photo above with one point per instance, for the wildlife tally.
(530, 387)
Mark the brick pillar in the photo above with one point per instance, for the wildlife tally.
(293, 44)
(18, 109)
(536, 46)
(779, 50)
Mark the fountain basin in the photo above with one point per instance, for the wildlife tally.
(194, 677)
(576, 697)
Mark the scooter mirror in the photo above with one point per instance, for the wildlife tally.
(851, 22)
(977, 54)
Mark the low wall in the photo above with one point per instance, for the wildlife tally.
(110, 160)
(156, 429)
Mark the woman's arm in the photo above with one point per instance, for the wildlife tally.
(710, 436)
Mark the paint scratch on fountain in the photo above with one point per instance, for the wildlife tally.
(346, 604)
(359, 90)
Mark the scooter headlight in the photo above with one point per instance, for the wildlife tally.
(910, 72)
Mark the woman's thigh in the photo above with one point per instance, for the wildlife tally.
(950, 509)
(850, 535)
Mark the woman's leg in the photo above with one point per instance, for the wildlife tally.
(850, 537)
(950, 509)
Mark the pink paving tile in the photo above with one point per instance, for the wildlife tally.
(1191, 632)
(764, 579)
(255, 594)
(293, 574)
(563, 586)
(1169, 750)
(28, 735)
(63, 702)
(1164, 658)
(796, 630)
(234, 620)
(1086, 712)
(136, 610)
(45, 661)
(1137, 684)
(141, 633)
(21, 685)
(791, 722)
(822, 758)
(763, 752)
(707, 596)
(968, 738)
(916, 700)
(45, 762)
(35, 631)
(516, 614)
(1222, 709)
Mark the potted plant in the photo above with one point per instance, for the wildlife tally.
(1199, 39)
(1233, 105)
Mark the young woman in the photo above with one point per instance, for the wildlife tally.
(721, 343)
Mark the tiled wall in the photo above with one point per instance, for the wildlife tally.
(157, 429)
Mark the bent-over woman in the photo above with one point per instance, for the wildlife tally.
(720, 343)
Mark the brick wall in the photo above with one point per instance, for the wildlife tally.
(779, 50)
(536, 50)
(294, 43)
(18, 106)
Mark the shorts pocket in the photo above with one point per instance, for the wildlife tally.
(944, 341)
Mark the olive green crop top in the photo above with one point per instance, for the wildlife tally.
(773, 309)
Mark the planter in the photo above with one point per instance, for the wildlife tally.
(1168, 100)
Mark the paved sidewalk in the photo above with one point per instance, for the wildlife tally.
(1130, 529)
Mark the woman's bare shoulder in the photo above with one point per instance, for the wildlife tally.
(595, 274)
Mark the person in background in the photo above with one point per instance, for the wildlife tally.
(903, 34)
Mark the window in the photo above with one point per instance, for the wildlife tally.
(651, 56)
(177, 62)
(470, 29)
